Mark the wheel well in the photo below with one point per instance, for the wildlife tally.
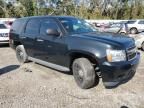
(16, 43)
(91, 58)
(133, 28)
(122, 33)
(80, 55)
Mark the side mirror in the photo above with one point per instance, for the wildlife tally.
(52, 32)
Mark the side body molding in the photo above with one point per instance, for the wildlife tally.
(51, 65)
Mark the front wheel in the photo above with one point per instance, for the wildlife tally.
(84, 73)
(21, 54)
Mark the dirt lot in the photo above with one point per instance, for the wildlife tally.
(35, 86)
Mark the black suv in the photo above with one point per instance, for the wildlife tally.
(70, 44)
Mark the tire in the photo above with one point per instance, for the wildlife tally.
(21, 54)
(84, 73)
(142, 47)
(133, 31)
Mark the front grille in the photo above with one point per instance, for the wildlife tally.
(3, 34)
(131, 53)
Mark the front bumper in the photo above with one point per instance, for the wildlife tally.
(114, 74)
(139, 43)
(4, 41)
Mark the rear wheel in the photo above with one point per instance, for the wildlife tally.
(84, 73)
(133, 31)
(21, 54)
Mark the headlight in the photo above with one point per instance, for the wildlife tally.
(116, 55)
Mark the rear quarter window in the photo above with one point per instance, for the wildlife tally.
(18, 25)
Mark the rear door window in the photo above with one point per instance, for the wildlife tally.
(32, 27)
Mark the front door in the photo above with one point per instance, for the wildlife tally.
(54, 47)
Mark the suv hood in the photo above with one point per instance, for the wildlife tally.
(110, 38)
(4, 30)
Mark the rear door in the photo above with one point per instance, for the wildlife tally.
(29, 35)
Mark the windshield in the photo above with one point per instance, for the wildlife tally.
(74, 25)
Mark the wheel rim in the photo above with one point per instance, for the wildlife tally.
(79, 73)
(133, 31)
(20, 55)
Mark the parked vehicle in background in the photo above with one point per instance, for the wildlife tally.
(118, 27)
(72, 45)
(139, 40)
(4, 33)
(135, 26)
(8, 24)
(7, 21)
(129, 27)
(113, 28)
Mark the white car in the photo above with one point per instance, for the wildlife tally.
(139, 40)
(135, 26)
(111, 28)
(4, 33)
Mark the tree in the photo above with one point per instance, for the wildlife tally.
(29, 6)
(98, 9)
(20, 11)
(3, 11)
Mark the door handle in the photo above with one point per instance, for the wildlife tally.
(40, 40)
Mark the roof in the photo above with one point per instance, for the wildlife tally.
(48, 16)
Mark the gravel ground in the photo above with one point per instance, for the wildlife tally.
(35, 86)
